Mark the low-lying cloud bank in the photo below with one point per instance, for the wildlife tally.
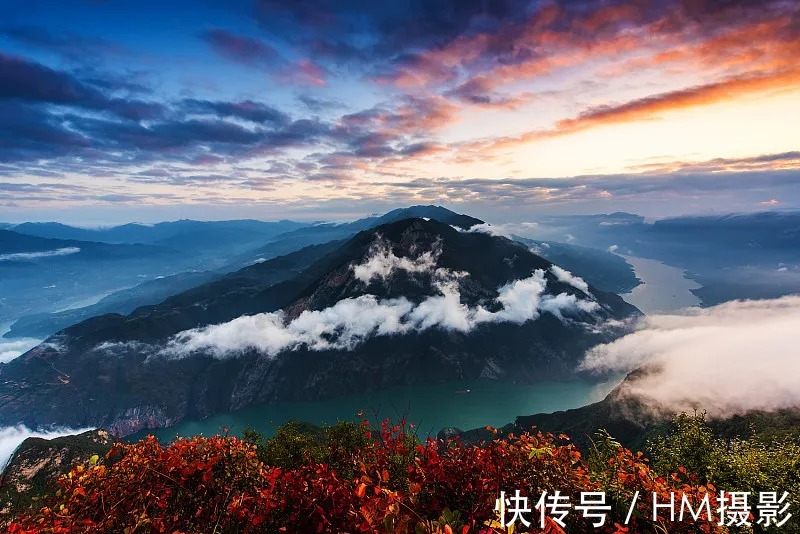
(12, 436)
(728, 359)
(351, 321)
(24, 256)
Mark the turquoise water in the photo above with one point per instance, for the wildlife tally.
(465, 405)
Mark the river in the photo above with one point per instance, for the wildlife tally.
(664, 288)
(465, 405)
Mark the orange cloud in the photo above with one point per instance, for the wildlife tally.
(651, 106)
(688, 37)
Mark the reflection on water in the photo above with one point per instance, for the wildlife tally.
(465, 405)
(664, 288)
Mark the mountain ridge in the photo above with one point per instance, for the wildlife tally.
(87, 375)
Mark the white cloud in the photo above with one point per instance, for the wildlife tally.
(351, 321)
(11, 437)
(382, 262)
(613, 248)
(728, 359)
(508, 230)
(492, 230)
(22, 256)
(12, 348)
(568, 278)
(444, 311)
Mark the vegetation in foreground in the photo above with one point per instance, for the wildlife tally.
(353, 478)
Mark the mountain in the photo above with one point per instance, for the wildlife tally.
(184, 234)
(124, 301)
(631, 421)
(411, 301)
(602, 269)
(606, 271)
(38, 274)
(189, 289)
(208, 261)
(37, 463)
(21, 248)
(322, 233)
(733, 256)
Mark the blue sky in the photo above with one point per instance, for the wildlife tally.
(119, 110)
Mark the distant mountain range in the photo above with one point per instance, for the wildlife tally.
(38, 273)
(49, 269)
(16, 247)
(418, 294)
(603, 270)
(183, 234)
(411, 301)
(734, 256)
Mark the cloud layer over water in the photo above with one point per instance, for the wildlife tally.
(728, 359)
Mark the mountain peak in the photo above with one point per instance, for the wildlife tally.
(438, 213)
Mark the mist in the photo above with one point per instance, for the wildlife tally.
(728, 359)
(25, 256)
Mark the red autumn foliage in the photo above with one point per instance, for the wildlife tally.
(218, 484)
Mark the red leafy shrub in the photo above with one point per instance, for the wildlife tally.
(392, 484)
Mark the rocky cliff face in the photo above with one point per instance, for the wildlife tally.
(413, 301)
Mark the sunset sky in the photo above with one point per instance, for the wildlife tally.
(120, 110)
